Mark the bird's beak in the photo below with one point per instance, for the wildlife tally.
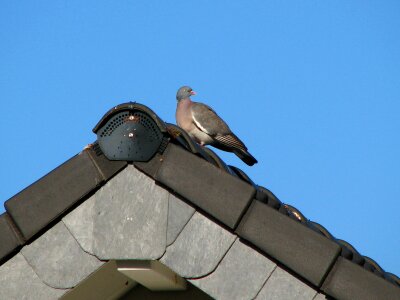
(192, 93)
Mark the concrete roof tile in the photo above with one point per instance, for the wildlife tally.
(198, 248)
(80, 223)
(58, 260)
(283, 286)
(240, 275)
(296, 246)
(127, 209)
(9, 237)
(206, 186)
(179, 213)
(19, 281)
(130, 217)
(41, 203)
(350, 281)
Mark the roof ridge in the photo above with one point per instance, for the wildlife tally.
(242, 205)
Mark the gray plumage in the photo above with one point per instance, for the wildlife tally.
(204, 125)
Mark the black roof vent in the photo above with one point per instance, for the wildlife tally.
(131, 132)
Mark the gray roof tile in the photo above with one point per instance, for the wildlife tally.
(296, 246)
(9, 237)
(127, 209)
(19, 281)
(283, 286)
(199, 248)
(130, 208)
(199, 181)
(179, 213)
(80, 223)
(58, 259)
(240, 275)
(42, 202)
(350, 281)
(45, 200)
(107, 168)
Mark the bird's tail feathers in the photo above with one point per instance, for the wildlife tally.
(245, 156)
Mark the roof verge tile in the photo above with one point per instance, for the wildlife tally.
(42, 202)
(350, 281)
(304, 251)
(206, 186)
(9, 239)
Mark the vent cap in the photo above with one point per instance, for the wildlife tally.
(130, 132)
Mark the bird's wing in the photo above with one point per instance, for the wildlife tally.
(231, 141)
(207, 120)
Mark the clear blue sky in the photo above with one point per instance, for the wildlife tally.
(312, 88)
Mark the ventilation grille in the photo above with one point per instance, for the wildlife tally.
(130, 117)
(130, 135)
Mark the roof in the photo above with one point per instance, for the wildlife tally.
(183, 212)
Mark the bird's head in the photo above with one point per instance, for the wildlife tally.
(184, 92)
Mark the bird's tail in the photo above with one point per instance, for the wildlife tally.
(245, 156)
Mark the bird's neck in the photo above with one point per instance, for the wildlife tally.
(185, 102)
(183, 115)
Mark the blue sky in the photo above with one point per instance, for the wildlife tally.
(311, 87)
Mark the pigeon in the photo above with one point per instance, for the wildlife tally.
(203, 125)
